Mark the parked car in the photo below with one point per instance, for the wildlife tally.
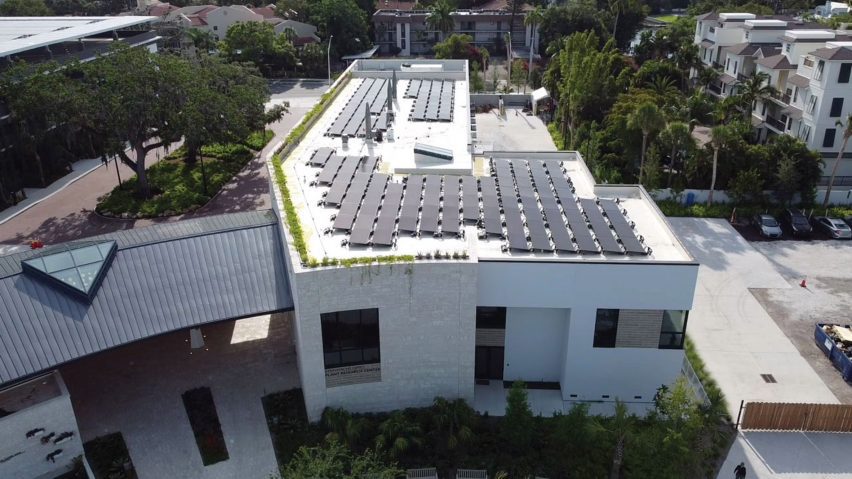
(767, 225)
(833, 227)
(797, 221)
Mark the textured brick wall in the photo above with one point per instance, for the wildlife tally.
(427, 324)
(639, 328)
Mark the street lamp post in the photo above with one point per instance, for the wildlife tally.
(328, 54)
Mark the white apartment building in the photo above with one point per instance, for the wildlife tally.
(808, 66)
(831, 9)
(402, 30)
(520, 267)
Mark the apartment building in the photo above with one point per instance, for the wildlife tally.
(808, 66)
(403, 30)
(522, 268)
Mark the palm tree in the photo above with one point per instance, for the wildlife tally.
(454, 420)
(721, 135)
(706, 77)
(755, 87)
(343, 427)
(847, 133)
(202, 40)
(441, 17)
(647, 118)
(398, 434)
(663, 86)
(621, 427)
(678, 135)
(533, 20)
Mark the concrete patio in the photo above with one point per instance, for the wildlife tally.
(136, 389)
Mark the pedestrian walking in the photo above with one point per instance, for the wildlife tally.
(740, 471)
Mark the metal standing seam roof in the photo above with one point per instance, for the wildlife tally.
(163, 278)
(19, 34)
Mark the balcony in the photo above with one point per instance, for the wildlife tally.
(781, 97)
(715, 88)
(775, 124)
(838, 181)
(741, 78)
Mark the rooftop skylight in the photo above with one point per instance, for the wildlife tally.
(77, 269)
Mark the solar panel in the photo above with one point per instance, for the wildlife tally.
(491, 207)
(450, 210)
(382, 122)
(356, 118)
(380, 101)
(470, 198)
(431, 204)
(578, 225)
(369, 164)
(511, 210)
(368, 212)
(434, 100)
(625, 232)
(383, 236)
(355, 101)
(600, 226)
(342, 180)
(320, 156)
(330, 169)
(413, 88)
(411, 203)
(550, 208)
(419, 111)
(535, 223)
(346, 216)
(561, 184)
(445, 109)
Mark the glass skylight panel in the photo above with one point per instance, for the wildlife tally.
(77, 269)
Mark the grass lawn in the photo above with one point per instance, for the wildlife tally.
(178, 187)
(666, 18)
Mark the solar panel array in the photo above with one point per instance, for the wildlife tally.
(433, 99)
(530, 204)
(351, 120)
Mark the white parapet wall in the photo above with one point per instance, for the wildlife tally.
(40, 438)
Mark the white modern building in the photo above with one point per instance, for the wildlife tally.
(831, 9)
(808, 66)
(403, 30)
(510, 265)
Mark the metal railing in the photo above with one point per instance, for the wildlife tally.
(782, 97)
(838, 181)
(694, 381)
(776, 123)
(425, 473)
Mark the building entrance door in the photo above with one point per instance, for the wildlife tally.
(489, 362)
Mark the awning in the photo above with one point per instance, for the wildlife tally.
(707, 44)
(540, 94)
(727, 79)
(361, 56)
(799, 80)
(756, 122)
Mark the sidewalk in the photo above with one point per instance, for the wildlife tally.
(778, 455)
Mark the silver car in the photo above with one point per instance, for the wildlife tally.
(833, 227)
(768, 226)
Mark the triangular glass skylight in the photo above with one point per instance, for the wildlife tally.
(75, 268)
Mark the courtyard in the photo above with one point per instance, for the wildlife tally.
(136, 390)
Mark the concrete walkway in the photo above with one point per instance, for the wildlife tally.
(136, 389)
(793, 455)
(735, 336)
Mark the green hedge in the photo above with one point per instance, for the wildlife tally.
(724, 210)
(714, 392)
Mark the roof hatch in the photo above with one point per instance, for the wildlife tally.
(75, 268)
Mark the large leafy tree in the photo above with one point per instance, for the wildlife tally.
(202, 40)
(257, 43)
(25, 8)
(648, 119)
(585, 79)
(345, 20)
(678, 137)
(441, 17)
(846, 133)
(332, 460)
(756, 87)
(458, 46)
(518, 428)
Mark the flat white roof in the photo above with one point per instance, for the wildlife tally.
(838, 44)
(723, 17)
(809, 34)
(19, 34)
(766, 23)
(318, 216)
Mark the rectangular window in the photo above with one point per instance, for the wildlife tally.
(763, 112)
(490, 317)
(818, 71)
(804, 132)
(350, 338)
(606, 328)
(704, 55)
(727, 63)
(828, 139)
(787, 47)
(735, 67)
(812, 101)
(795, 94)
(673, 329)
(836, 107)
(845, 70)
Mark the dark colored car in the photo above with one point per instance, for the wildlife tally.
(797, 221)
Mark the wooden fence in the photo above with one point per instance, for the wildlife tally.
(797, 417)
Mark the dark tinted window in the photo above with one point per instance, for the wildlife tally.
(490, 317)
(828, 139)
(845, 70)
(350, 337)
(606, 328)
(836, 107)
(673, 329)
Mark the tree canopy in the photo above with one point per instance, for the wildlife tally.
(343, 19)
(25, 8)
(257, 43)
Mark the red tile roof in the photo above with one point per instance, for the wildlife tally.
(266, 12)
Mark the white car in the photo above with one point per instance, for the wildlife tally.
(768, 226)
(833, 227)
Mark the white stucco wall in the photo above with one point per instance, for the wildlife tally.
(427, 332)
(535, 338)
(588, 373)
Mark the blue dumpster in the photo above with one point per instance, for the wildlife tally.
(838, 351)
(690, 199)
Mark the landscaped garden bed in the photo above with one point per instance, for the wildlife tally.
(204, 421)
(109, 458)
(288, 423)
(177, 186)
